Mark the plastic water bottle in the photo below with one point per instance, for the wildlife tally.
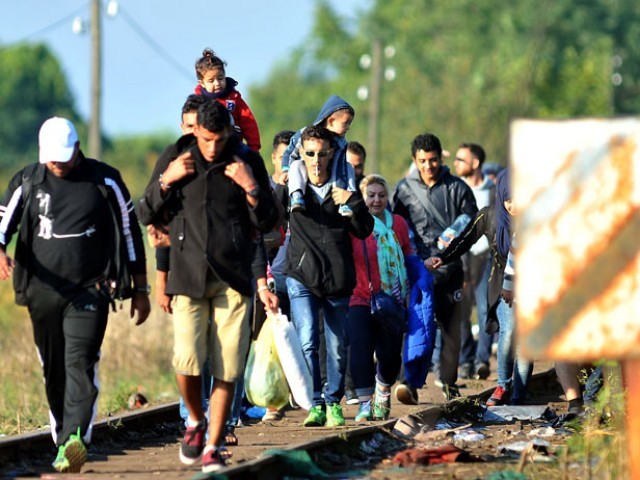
(453, 230)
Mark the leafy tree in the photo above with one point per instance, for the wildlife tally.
(464, 69)
(32, 88)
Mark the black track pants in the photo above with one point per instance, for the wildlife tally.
(68, 332)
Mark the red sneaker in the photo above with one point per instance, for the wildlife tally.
(193, 443)
(500, 396)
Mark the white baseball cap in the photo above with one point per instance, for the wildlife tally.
(57, 140)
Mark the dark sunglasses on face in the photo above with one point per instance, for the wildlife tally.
(321, 153)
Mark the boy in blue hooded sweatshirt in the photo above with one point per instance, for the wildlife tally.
(336, 116)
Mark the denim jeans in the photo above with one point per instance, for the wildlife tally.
(483, 349)
(509, 365)
(207, 381)
(305, 308)
(366, 337)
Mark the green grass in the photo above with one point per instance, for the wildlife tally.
(134, 359)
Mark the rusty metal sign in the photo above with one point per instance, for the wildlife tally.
(576, 185)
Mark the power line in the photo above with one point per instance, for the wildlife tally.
(56, 23)
(137, 28)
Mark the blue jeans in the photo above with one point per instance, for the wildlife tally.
(509, 365)
(483, 349)
(207, 382)
(305, 307)
(366, 337)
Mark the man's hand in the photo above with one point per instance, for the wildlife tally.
(433, 263)
(181, 167)
(162, 298)
(270, 300)
(140, 303)
(158, 236)
(508, 296)
(6, 266)
(340, 196)
(240, 172)
(284, 178)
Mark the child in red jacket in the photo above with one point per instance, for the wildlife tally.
(213, 83)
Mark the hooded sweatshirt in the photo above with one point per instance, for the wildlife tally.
(332, 105)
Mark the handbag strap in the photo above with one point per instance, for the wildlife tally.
(366, 259)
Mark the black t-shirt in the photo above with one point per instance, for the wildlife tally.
(70, 220)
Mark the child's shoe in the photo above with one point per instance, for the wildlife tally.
(297, 202)
(345, 210)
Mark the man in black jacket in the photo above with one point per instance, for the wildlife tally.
(431, 199)
(321, 273)
(70, 213)
(214, 192)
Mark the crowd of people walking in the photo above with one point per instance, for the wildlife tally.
(375, 279)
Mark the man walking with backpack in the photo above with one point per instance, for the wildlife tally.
(78, 236)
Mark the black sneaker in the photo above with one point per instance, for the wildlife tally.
(482, 371)
(212, 460)
(406, 394)
(193, 443)
(450, 392)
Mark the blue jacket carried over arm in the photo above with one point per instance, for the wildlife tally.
(421, 326)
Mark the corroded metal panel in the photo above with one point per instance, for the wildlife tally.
(576, 184)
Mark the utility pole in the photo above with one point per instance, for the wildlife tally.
(95, 138)
(374, 104)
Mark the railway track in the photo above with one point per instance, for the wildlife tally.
(144, 443)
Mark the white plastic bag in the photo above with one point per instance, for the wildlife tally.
(265, 381)
(292, 360)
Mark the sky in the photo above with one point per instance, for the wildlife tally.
(149, 53)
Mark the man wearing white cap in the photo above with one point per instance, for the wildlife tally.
(70, 214)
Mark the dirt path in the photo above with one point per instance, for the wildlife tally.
(153, 451)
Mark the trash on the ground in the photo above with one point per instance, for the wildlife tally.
(432, 456)
(543, 432)
(444, 424)
(468, 436)
(507, 475)
(536, 444)
(370, 445)
(463, 409)
(409, 426)
(137, 400)
(426, 436)
(508, 413)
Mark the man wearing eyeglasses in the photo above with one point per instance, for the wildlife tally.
(321, 273)
(468, 164)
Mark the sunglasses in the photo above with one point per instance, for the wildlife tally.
(321, 154)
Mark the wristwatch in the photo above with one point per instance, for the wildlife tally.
(254, 192)
(146, 289)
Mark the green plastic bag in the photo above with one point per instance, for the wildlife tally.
(264, 380)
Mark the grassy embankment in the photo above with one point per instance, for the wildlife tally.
(133, 359)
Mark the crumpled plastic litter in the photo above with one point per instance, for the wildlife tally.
(543, 432)
(508, 413)
(537, 444)
(432, 456)
(468, 436)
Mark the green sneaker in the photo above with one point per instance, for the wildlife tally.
(381, 404)
(316, 417)
(364, 412)
(334, 415)
(71, 456)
